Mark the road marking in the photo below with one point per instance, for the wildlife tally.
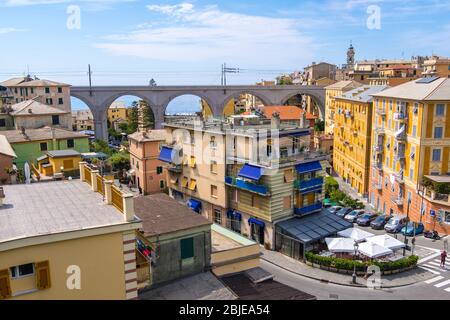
(423, 260)
(434, 263)
(438, 285)
(429, 270)
(433, 267)
(448, 289)
(434, 279)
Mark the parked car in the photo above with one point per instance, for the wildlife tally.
(413, 228)
(353, 215)
(366, 218)
(379, 222)
(343, 212)
(334, 209)
(395, 224)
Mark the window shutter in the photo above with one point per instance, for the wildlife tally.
(42, 275)
(5, 287)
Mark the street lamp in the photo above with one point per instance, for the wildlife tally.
(355, 246)
(406, 227)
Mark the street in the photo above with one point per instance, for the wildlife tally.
(323, 291)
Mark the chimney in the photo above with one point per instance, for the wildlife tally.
(128, 207)
(275, 121)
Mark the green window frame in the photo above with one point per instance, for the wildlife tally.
(159, 170)
(187, 248)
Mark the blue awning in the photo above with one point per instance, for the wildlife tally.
(232, 214)
(166, 154)
(257, 222)
(194, 205)
(308, 167)
(251, 172)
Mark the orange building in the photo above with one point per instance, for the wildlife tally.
(146, 170)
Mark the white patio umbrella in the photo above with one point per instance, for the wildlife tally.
(27, 173)
(386, 241)
(373, 250)
(340, 245)
(356, 234)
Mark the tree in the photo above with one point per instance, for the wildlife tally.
(319, 126)
(123, 126)
(114, 134)
(148, 119)
(330, 185)
(120, 161)
(133, 118)
(101, 146)
(284, 80)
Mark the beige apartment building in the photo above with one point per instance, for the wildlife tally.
(32, 114)
(52, 93)
(83, 120)
(243, 179)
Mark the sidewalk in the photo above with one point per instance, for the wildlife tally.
(388, 281)
(352, 193)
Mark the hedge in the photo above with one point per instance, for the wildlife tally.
(347, 264)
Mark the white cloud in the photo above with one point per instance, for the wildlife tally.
(21, 3)
(10, 30)
(212, 34)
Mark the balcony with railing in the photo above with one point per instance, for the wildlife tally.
(381, 111)
(400, 116)
(175, 168)
(400, 177)
(308, 186)
(239, 183)
(378, 186)
(397, 200)
(308, 209)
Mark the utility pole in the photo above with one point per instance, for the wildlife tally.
(226, 70)
(90, 79)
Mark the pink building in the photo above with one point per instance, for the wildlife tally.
(146, 170)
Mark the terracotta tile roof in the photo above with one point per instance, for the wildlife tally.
(151, 135)
(45, 133)
(33, 107)
(160, 214)
(42, 83)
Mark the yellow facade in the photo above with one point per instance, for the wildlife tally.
(100, 260)
(59, 164)
(117, 112)
(351, 148)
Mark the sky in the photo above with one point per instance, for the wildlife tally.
(186, 42)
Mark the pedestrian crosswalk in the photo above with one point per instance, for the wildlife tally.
(442, 279)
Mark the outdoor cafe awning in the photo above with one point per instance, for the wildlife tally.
(308, 167)
(257, 222)
(314, 227)
(251, 172)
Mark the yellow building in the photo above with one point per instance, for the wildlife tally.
(66, 242)
(411, 145)
(58, 162)
(116, 111)
(352, 136)
(331, 92)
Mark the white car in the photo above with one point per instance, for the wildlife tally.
(334, 209)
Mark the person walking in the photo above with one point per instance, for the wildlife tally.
(443, 257)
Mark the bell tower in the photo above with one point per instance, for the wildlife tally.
(350, 56)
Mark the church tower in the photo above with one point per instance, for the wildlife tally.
(350, 57)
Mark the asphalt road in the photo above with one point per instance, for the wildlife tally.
(324, 291)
